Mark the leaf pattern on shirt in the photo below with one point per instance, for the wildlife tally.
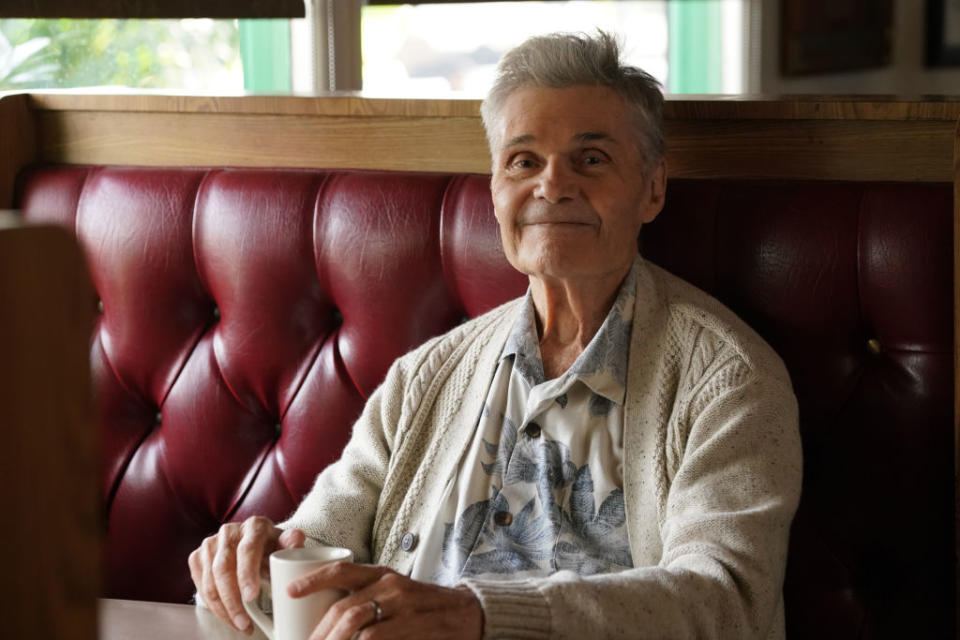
(459, 539)
(591, 541)
(502, 450)
(600, 405)
(520, 546)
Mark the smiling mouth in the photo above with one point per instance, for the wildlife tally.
(560, 223)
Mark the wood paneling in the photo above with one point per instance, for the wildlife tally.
(49, 459)
(413, 144)
(17, 144)
(913, 150)
(907, 151)
(339, 104)
(713, 107)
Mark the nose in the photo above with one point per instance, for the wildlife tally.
(555, 182)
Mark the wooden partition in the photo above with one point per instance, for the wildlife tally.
(813, 138)
(799, 138)
(48, 460)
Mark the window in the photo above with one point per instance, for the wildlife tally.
(422, 50)
(437, 48)
(691, 46)
(200, 55)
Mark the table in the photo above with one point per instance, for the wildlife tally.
(137, 620)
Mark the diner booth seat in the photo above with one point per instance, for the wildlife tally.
(245, 315)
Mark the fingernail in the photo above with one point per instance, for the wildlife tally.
(293, 589)
(241, 621)
(249, 593)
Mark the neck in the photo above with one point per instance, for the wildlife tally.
(569, 313)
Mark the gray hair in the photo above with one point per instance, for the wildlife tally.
(561, 60)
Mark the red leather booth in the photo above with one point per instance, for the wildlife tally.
(246, 315)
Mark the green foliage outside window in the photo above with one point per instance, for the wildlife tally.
(148, 54)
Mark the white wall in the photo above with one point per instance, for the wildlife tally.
(906, 73)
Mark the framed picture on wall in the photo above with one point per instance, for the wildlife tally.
(943, 33)
(820, 36)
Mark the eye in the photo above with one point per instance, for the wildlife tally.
(520, 162)
(593, 158)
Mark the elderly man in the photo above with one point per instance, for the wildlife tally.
(613, 455)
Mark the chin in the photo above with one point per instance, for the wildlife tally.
(554, 266)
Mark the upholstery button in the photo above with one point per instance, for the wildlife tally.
(277, 429)
(532, 430)
(502, 518)
(873, 346)
(158, 418)
(216, 313)
(409, 541)
(337, 317)
(100, 306)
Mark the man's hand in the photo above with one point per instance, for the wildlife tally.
(232, 560)
(407, 608)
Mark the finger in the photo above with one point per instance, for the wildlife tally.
(387, 591)
(225, 575)
(254, 544)
(292, 539)
(196, 570)
(336, 575)
(415, 627)
(344, 622)
(209, 588)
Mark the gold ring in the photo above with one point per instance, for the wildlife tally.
(377, 611)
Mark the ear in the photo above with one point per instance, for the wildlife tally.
(657, 192)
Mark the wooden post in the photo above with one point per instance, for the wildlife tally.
(48, 458)
(17, 143)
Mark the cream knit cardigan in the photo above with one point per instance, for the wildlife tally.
(711, 475)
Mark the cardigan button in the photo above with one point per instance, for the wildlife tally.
(502, 518)
(532, 430)
(409, 541)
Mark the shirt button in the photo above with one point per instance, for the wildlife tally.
(532, 430)
(502, 518)
(409, 541)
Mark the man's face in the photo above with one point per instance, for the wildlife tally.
(569, 187)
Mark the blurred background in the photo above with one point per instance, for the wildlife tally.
(443, 49)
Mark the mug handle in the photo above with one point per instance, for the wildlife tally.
(259, 616)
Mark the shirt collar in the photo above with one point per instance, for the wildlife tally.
(603, 364)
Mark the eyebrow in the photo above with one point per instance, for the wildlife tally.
(524, 139)
(590, 136)
(586, 136)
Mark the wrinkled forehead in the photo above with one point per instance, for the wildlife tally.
(563, 115)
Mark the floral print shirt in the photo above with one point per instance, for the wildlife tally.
(540, 489)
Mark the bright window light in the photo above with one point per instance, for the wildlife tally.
(439, 49)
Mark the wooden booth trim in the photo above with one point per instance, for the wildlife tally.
(819, 139)
(711, 107)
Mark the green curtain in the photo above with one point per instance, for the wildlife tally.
(695, 53)
(265, 52)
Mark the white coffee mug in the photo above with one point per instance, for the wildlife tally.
(296, 618)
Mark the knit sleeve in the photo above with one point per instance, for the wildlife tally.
(724, 540)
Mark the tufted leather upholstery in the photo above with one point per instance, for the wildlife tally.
(247, 315)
